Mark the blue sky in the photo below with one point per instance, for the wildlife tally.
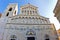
(45, 7)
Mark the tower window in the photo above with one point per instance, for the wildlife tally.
(10, 9)
(15, 12)
(7, 14)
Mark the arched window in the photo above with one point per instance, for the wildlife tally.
(14, 14)
(7, 14)
(10, 9)
(25, 11)
(33, 11)
(13, 37)
(28, 11)
(47, 37)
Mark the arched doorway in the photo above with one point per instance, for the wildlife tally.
(31, 35)
(47, 37)
(13, 37)
(30, 38)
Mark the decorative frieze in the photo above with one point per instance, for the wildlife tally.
(27, 28)
(28, 20)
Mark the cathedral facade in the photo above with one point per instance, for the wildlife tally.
(28, 25)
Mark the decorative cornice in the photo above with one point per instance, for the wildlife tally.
(27, 24)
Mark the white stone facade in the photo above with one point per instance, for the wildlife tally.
(29, 25)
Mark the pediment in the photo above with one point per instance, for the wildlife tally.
(28, 6)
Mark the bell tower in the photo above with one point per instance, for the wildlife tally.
(11, 10)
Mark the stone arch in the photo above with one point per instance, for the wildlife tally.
(30, 32)
(47, 37)
(13, 37)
